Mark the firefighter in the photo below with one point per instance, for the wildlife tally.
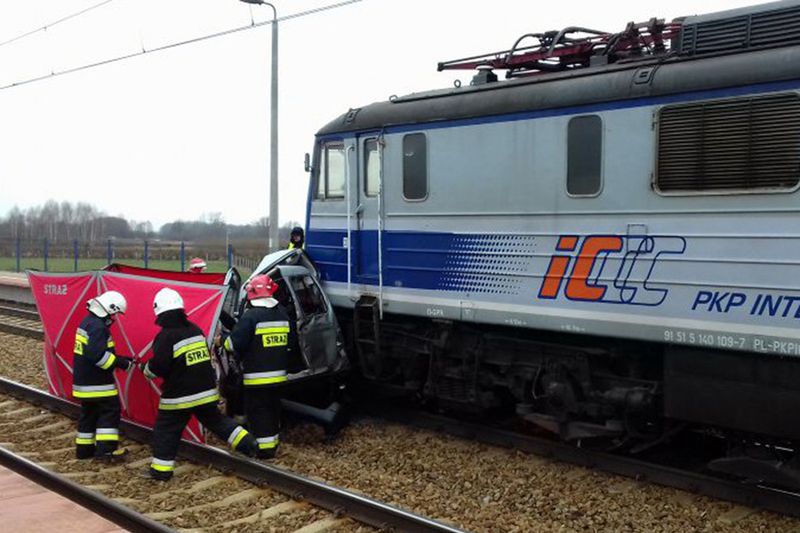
(181, 357)
(261, 340)
(297, 239)
(197, 265)
(94, 361)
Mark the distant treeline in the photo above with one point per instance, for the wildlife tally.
(64, 222)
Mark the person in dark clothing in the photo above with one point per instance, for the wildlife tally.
(181, 357)
(94, 362)
(297, 239)
(261, 340)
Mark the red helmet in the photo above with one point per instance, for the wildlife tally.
(261, 286)
(197, 264)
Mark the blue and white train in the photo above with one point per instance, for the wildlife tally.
(603, 249)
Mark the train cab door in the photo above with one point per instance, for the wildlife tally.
(366, 189)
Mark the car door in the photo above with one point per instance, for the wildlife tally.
(318, 332)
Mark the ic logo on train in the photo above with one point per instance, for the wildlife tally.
(610, 269)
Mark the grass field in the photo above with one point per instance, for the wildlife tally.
(9, 264)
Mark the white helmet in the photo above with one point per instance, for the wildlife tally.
(108, 304)
(167, 300)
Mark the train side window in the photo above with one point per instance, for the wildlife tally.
(585, 156)
(372, 168)
(732, 146)
(331, 178)
(415, 166)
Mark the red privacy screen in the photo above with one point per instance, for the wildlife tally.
(210, 278)
(61, 301)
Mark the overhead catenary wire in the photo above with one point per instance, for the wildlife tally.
(55, 22)
(177, 44)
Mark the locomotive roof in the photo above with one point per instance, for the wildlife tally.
(667, 75)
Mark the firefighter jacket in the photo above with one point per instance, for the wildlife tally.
(94, 360)
(261, 341)
(181, 357)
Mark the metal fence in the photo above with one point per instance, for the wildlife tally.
(75, 255)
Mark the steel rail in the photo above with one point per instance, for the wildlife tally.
(107, 508)
(16, 310)
(28, 314)
(751, 495)
(334, 499)
(22, 331)
(13, 303)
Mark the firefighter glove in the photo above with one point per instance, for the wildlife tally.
(125, 363)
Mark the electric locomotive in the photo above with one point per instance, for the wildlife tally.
(606, 243)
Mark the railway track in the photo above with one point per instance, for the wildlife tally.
(206, 503)
(19, 309)
(20, 319)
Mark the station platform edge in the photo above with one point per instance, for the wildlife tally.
(26, 507)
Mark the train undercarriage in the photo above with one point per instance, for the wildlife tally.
(618, 395)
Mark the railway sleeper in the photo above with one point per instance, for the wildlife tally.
(255, 518)
(322, 526)
(245, 495)
(198, 487)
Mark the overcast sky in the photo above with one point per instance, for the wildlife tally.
(183, 132)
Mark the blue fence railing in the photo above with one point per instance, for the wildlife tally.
(71, 255)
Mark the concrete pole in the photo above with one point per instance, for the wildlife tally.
(273, 132)
(273, 135)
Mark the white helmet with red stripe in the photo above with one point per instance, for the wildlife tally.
(197, 265)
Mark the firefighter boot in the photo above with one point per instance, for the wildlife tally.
(155, 475)
(115, 456)
(84, 451)
(267, 454)
(248, 446)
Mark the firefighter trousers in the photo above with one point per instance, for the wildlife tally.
(263, 409)
(170, 425)
(98, 427)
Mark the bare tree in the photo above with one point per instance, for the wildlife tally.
(67, 219)
(49, 218)
(16, 220)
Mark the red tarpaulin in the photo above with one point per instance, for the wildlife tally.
(211, 278)
(61, 301)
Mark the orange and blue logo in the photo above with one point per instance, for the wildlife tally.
(614, 269)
